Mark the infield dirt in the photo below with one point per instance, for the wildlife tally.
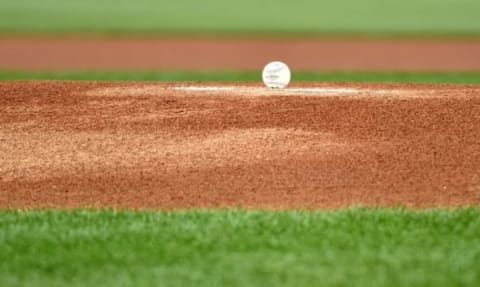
(150, 145)
(180, 53)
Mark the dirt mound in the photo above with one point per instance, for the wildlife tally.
(149, 145)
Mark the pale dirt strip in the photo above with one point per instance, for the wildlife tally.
(258, 90)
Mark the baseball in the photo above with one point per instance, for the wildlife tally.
(276, 75)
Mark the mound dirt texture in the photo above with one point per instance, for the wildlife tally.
(150, 145)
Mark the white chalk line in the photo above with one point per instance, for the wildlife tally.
(286, 90)
(204, 88)
(245, 90)
(252, 91)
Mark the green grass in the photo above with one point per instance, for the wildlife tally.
(281, 16)
(417, 77)
(353, 247)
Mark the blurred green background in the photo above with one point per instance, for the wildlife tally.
(279, 18)
(276, 16)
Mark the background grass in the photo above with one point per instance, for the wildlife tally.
(354, 247)
(305, 16)
(417, 77)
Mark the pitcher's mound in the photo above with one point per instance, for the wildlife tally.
(182, 145)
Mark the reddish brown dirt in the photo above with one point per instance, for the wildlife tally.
(144, 145)
(60, 53)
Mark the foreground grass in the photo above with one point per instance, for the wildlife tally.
(307, 16)
(354, 247)
(416, 77)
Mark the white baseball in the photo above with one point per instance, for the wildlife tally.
(276, 75)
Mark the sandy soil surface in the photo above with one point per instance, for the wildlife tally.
(150, 145)
(60, 53)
